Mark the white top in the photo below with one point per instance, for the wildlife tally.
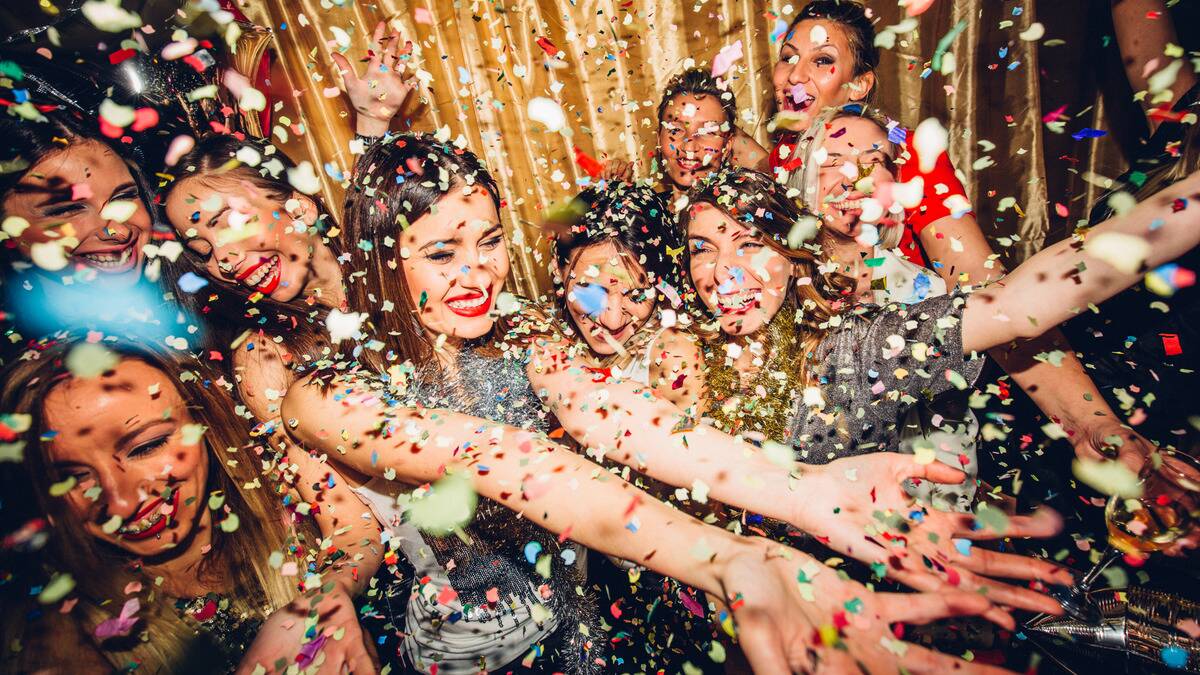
(482, 638)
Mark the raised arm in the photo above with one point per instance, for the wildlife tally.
(1062, 279)
(1144, 29)
(385, 85)
(749, 153)
(779, 596)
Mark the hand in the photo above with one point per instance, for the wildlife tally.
(382, 90)
(857, 506)
(1105, 438)
(339, 646)
(825, 624)
(616, 170)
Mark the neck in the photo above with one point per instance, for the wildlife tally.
(180, 571)
(325, 277)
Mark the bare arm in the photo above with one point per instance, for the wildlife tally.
(262, 375)
(1142, 40)
(677, 371)
(1064, 391)
(1055, 284)
(748, 152)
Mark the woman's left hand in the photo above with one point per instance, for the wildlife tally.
(858, 506)
(1105, 438)
(338, 644)
(379, 94)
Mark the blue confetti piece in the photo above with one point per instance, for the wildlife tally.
(897, 134)
(739, 275)
(780, 28)
(963, 546)
(1174, 656)
(190, 282)
(1014, 65)
(1003, 52)
(568, 556)
(922, 286)
(464, 76)
(591, 298)
(532, 549)
(1088, 132)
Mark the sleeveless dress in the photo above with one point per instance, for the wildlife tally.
(477, 602)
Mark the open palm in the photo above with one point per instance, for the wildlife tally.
(386, 82)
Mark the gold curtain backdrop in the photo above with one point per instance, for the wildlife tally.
(607, 62)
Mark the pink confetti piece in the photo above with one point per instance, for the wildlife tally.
(725, 59)
(421, 15)
(120, 626)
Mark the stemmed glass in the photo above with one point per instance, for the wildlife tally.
(1168, 508)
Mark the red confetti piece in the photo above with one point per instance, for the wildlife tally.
(121, 55)
(1170, 342)
(547, 46)
(144, 118)
(588, 163)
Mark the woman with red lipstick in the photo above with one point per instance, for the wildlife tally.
(167, 547)
(828, 59)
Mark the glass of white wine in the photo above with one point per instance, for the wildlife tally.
(1167, 510)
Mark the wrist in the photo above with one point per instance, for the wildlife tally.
(813, 483)
(366, 125)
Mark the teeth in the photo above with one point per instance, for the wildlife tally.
(470, 304)
(263, 272)
(736, 301)
(140, 526)
(849, 204)
(109, 260)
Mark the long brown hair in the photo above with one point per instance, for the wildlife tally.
(755, 199)
(103, 573)
(396, 182)
(300, 323)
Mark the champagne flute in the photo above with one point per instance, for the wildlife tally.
(1167, 510)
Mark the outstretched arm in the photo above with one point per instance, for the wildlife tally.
(1064, 391)
(779, 596)
(1062, 279)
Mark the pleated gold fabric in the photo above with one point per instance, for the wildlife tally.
(606, 63)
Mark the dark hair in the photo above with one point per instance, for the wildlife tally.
(634, 218)
(301, 325)
(25, 143)
(852, 17)
(395, 183)
(699, 82)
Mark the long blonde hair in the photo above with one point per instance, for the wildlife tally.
(102, 573)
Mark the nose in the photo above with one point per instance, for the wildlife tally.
(115, 232)
(729, 268)
(476, 273)
(121, 491)
(798, 74)
(227, 259)
(612, 317)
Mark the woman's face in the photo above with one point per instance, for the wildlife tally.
(84, 199)
(815, 71)
(137, 459)
(854, 167)
(693, 137)
(455, 263)
(607, 295)
(741, 280)
(245, 235)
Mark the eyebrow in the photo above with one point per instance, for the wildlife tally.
(217, 216)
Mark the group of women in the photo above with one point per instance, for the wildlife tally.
(713, 398)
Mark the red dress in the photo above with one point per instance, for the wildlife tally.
(932, 206)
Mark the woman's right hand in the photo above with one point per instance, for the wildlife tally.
(380, 93)
(794, 614)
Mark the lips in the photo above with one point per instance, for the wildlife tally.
(263, 276)
(112, 260)
(151, 520)
(471, 305)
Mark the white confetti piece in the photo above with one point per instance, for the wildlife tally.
(110, 16)
(1125, 252)
(304, 178)
(547, 112)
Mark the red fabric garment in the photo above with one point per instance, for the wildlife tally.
(932, 206)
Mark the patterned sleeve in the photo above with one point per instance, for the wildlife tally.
(916, 350)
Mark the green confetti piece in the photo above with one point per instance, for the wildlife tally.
(216, 500)
(1108, 477)
(111, 524)
(12, 452)
(57, 589)
(63, 487)
(275, 560)
(854, 606)
(873, 262)
(716, 652)
(230, 524)
(944, 44)
(543, 566)
(424, 299)
(448, 505)
(90, 360)
(992, 518)
(192, 433)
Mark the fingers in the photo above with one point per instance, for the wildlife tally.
(1045, 522)
(1012, 566)
(928, 581)
(919, 661)
(935, 471)
(925, 607)
(1012, 596)
(343, 68)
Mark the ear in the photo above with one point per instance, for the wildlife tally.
(308, 208)
(861, 86)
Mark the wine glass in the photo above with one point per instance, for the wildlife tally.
(1168, 508)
